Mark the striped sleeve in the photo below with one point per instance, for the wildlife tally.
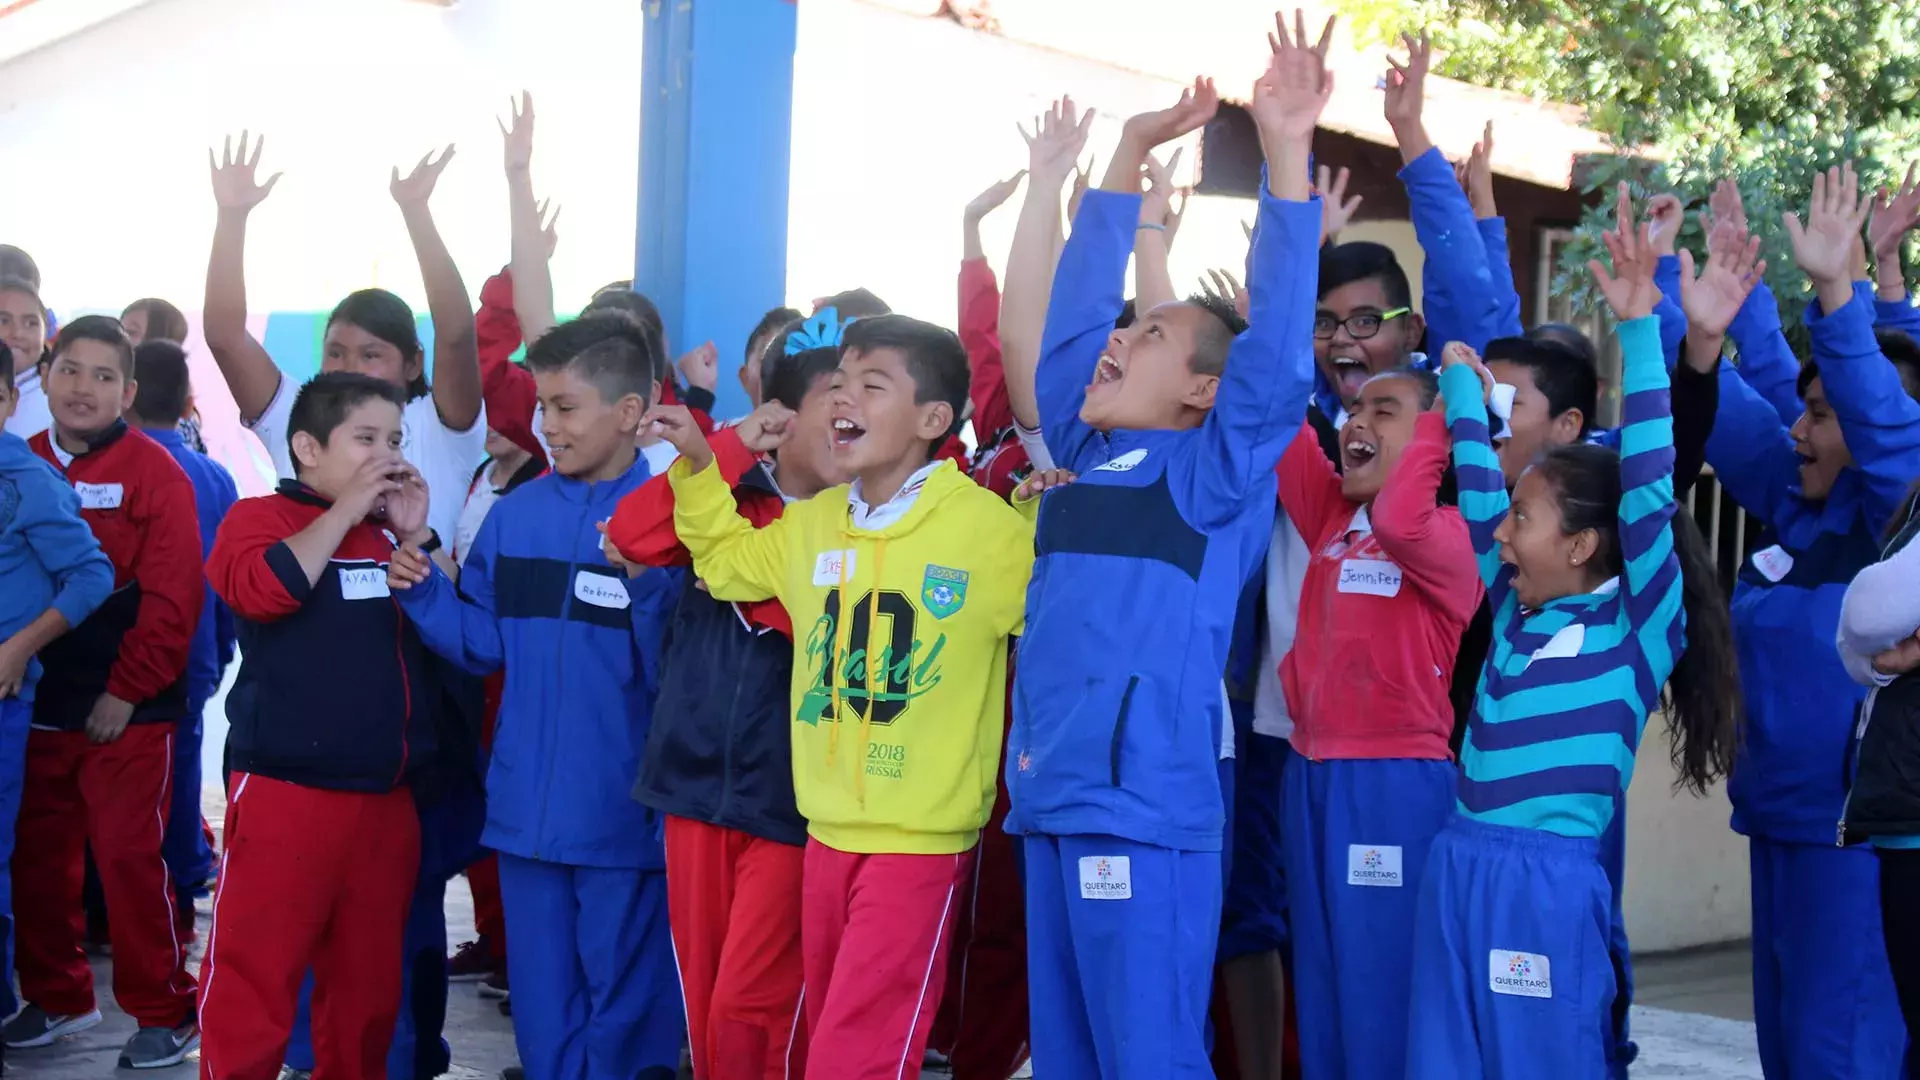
(1651, 585)
(1483, 488)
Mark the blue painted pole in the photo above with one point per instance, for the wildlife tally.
(716, 123)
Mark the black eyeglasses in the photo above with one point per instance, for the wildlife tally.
(1360, 325)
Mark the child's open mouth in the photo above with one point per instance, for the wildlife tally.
(1352, 374)
(1358, 454)
(846, 432)
(1107, 371)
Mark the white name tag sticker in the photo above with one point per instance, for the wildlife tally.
(1519, 974)
(100, 496)
(1369, 577)
(363, 583)
(1773, 563)
(1106, 877)
(601, 591)
(1126, 462)
(829, 567)
(1564, 644)
(1374, 865)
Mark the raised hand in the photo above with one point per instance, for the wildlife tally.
(766, 427)
(417, 186)
(518, 139)
(1156, 206)
(1222, 285)
(1712, 298)
(1406, 84)
(1197, 105)
(234, 187)
(1665, 215)
(676, 425)
(701, 366)
(548, 221)
(1725, 205)
(1476, 176)
(1893, 216)
(1822, 246)
(1082, 179)
(1457, 353)
(994, 197)
(1629, 288)
(1288, 99)
(1335, 208)
(1053, 147)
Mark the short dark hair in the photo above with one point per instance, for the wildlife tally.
(775, 350)
(160, 367)
(104, 329)
(1569, 337)
(1901, 350)
(1565, 378)
(388, 318)
(768, 327)
(1361, 260)
(164, 321)
(619, 297)
(607, 349)
(322, 405)
(1427, 382)
(935, 359)
(857, 304)
(16, 263)
(1216, 333)
(789, 379)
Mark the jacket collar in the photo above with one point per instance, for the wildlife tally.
(302, 494)
(581, 491)
(95, 443)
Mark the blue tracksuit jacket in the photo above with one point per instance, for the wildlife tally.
(48, 556)
(214, 494)
(1141, 562)
(1790, 781)
(1464, 296)
(581, 647)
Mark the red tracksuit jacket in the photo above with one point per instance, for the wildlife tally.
(140, 506)
(1381, 614)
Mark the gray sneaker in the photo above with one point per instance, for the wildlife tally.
(34, 1026)
(158, 1047)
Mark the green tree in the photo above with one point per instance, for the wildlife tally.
(1763, 92)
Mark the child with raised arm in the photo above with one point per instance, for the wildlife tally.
(1174, 426)
(580, 861)
(904, 589)
(1388, 593)
(1824, 1000)
(1600, 595)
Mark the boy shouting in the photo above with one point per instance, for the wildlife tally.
(1174, 426)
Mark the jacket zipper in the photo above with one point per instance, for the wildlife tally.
(406, 686)
(559, 672)
(1120, 727)
(1859, 740)
(726, 753)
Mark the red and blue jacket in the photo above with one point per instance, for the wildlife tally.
(333, 690)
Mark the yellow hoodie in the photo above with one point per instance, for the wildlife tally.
(922, 660)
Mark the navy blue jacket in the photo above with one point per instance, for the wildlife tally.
(580, 644)
(214, 494)
(333, 690)
(1141, 562)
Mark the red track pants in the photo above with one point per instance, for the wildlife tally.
(875, 931)
(733, 903)
(309, 879)
(483, 877)
(115, 796)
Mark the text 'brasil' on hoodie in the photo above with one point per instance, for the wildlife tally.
(898, 706)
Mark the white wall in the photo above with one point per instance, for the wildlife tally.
(1686, 870)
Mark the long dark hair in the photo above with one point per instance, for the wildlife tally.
(1702, 696)
(388, 318)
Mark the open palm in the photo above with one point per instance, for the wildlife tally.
(517, 138)
(1733, 268)
(417, 186)
(1629, 286)
(1823, 245)
(1054, 145)
(1197, 105)
(1288, 99)
(234, 186)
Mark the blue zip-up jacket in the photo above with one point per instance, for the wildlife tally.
(581, 646)
(1458, 296)
(1493, 236)
(214, 494)
(1898, 315)
(1767, 362)
(48, 556)
(1789, 782)
(1140, 562)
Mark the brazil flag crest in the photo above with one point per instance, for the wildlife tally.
(943, 591)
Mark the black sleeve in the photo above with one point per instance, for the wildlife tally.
(1696, 398)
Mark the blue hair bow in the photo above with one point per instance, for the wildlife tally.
(823, 331)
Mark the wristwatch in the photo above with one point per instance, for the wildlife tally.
(433, 543)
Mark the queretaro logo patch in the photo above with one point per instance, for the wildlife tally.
(943, 591)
